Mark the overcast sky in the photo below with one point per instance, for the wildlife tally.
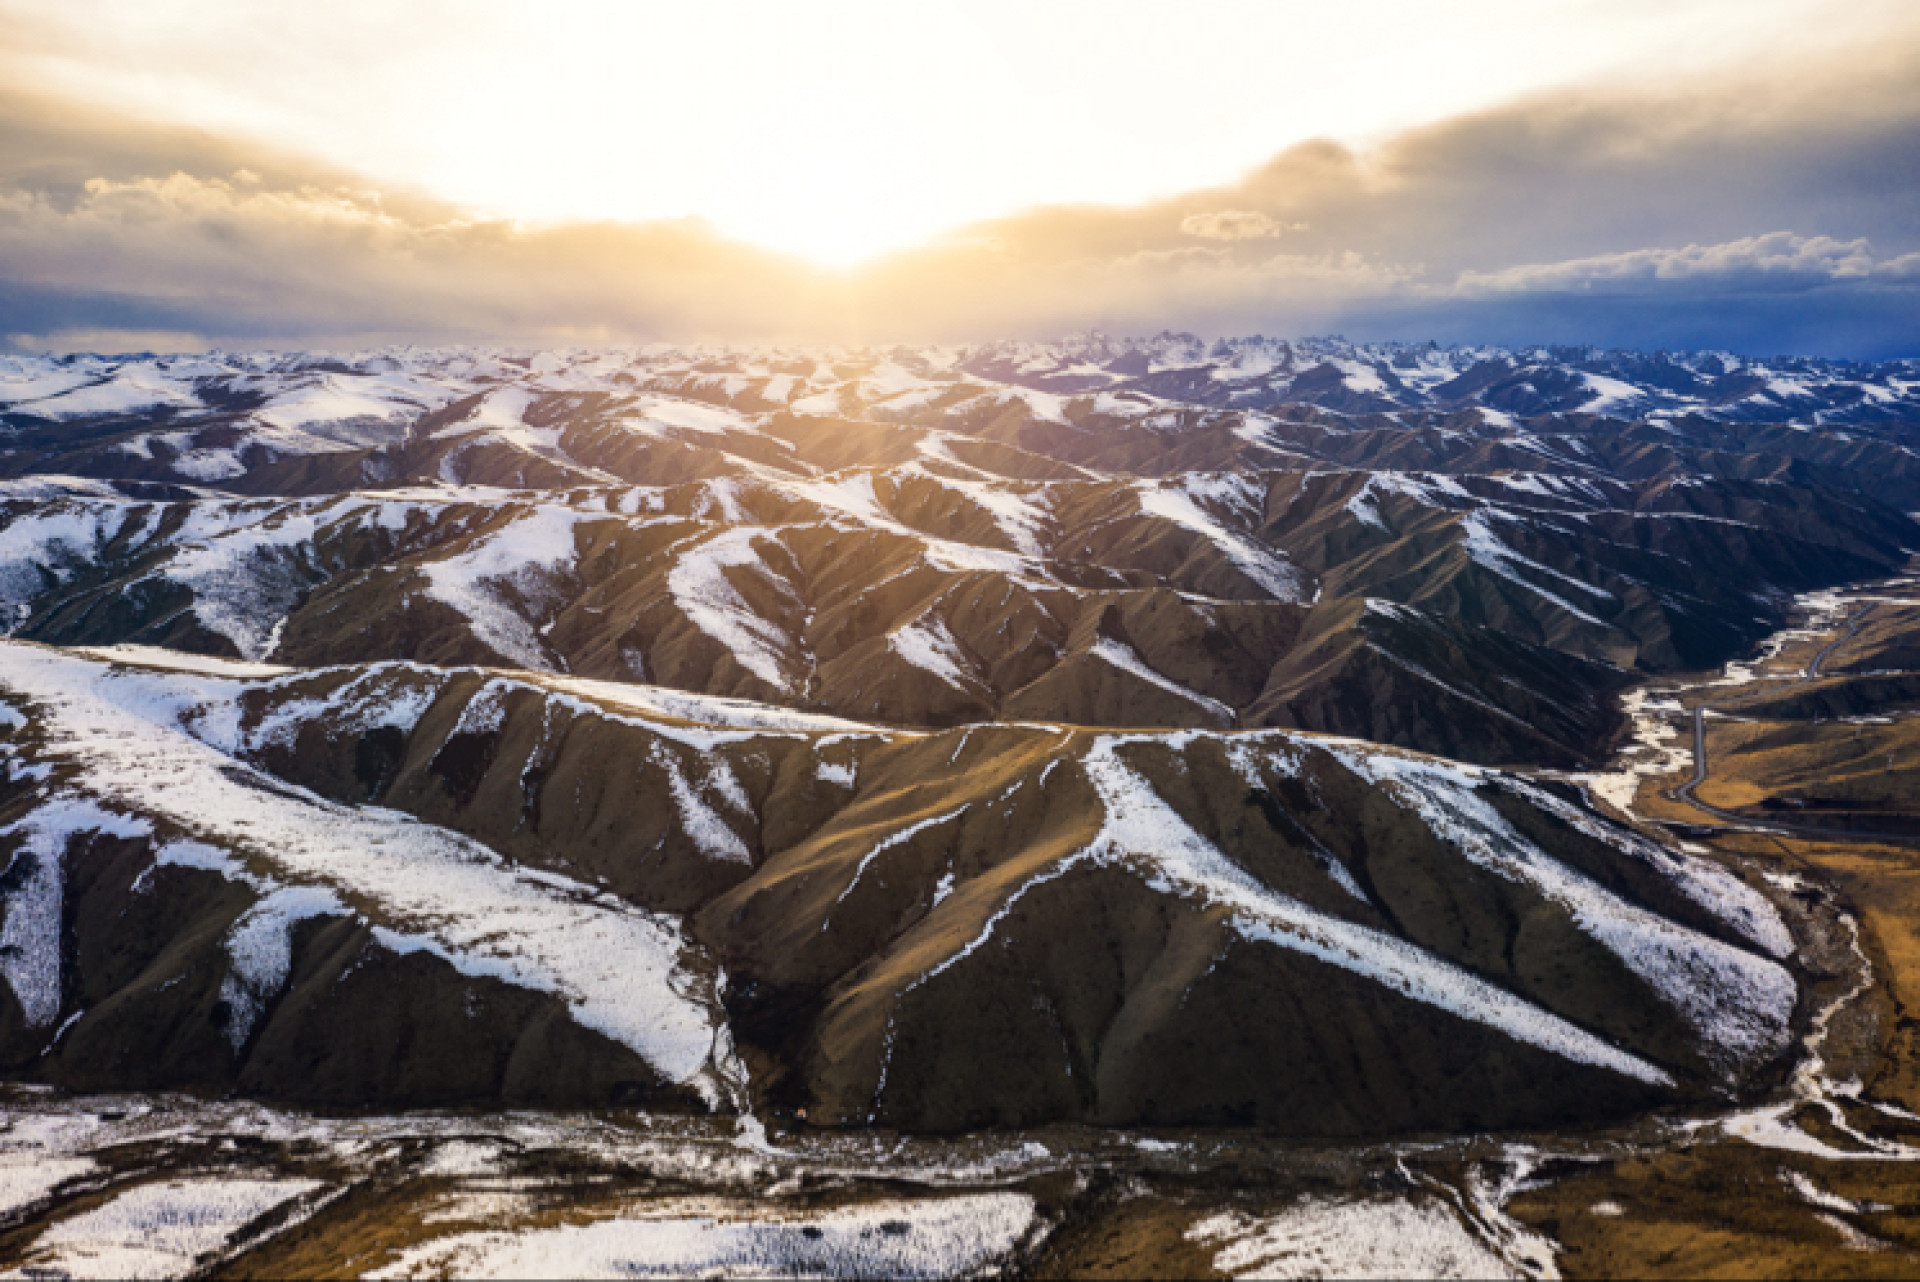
(1742, 175)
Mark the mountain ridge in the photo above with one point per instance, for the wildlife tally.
(887, 735)
(871, 895)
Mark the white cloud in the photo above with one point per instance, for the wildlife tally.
(1235, 224)
(93, 339)
(1776, 262)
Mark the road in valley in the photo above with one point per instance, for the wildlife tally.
(1685, 792)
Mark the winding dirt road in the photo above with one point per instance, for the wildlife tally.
(1685, 792)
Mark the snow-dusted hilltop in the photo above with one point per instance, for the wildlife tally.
(1086, 530)
(583, 892)
(302, 402)
(1482, 616)
(927, 737)
(1522, 383)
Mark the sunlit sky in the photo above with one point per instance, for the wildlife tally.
(842, 131)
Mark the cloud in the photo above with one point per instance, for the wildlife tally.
(1778, 262)
(247, 261)
(1767, 213)
(163, 341)
(1235, 224)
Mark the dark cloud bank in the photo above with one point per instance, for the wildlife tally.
(1771, 213)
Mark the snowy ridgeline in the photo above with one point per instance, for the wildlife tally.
(751, 565)
(317, 402)
(155, 743)
(503, 562)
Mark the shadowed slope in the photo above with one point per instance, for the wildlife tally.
(987, 925)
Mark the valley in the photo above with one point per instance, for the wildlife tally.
(1056, 810)
(1822, 1165)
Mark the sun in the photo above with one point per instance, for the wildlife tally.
(835, 206)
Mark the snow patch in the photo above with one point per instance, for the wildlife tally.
(700, 588)
(926, 644)
(525, 555)
(260, 947)
(1177, 501)
(1142, 831)
(1323, 1237)
(621, 971)
(927, 1238)
(165, 1229)
(30, 937)
(1738, 1003)
(1123, 657)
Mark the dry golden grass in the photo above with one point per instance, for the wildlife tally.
(1727, 1212)
(1870, 767)
(1731, 1209)
(1726, 1209)
(1137, 1238)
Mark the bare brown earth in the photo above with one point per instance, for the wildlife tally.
(914, 940)
(1374, 611)
(541, 782)
(930, 940)
(936, 543)
(1725, 1209)
(1728, 1209)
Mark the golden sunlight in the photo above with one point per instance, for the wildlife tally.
(844, 131)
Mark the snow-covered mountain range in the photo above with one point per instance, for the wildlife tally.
(928, 737)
